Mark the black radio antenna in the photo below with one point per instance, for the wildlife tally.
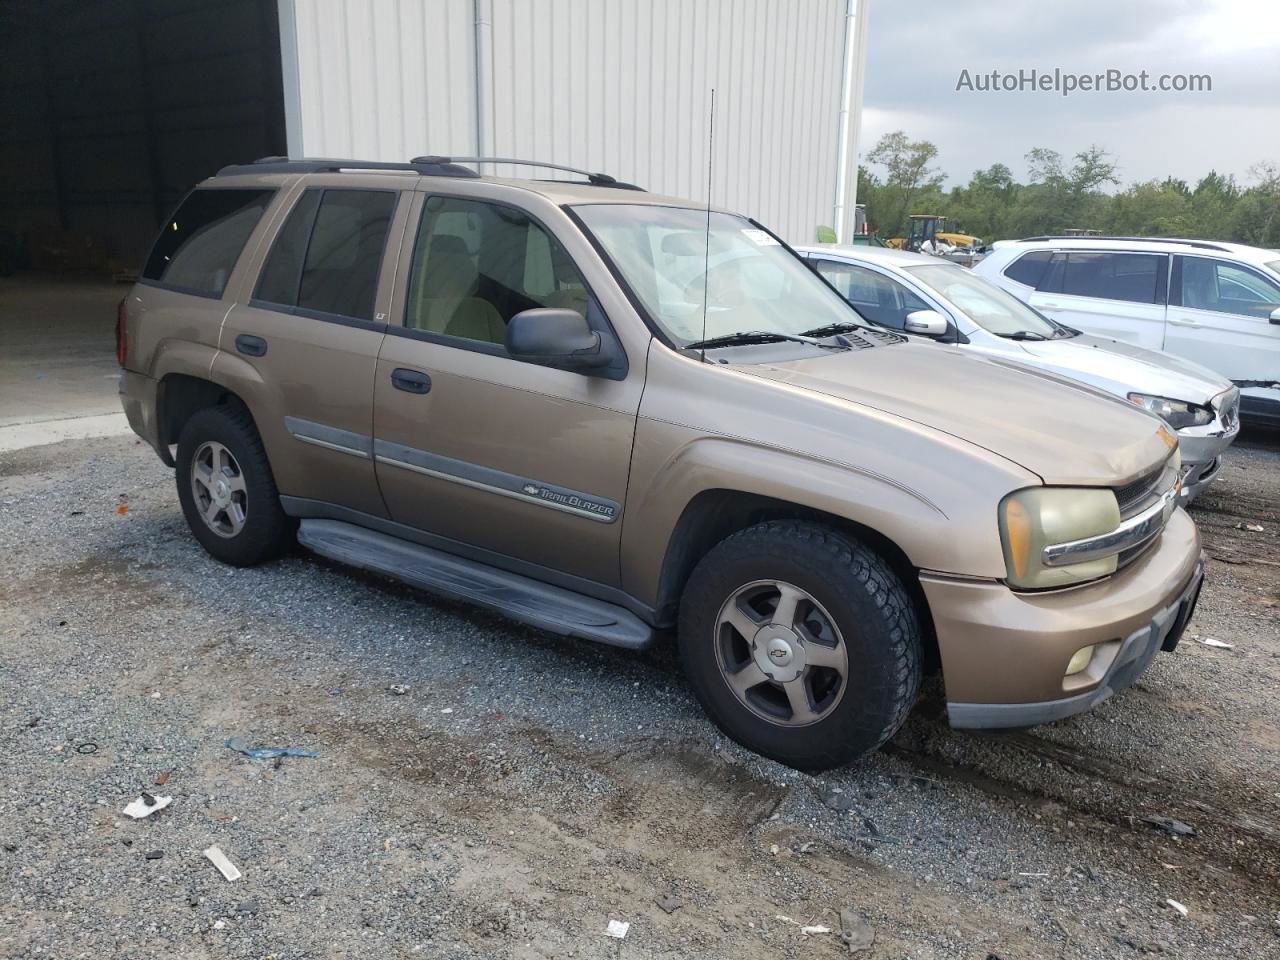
(706, 255)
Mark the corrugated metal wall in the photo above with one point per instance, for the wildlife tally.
(621, 86)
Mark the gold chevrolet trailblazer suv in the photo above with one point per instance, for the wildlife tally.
(614, 415)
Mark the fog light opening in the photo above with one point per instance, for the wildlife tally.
(1080, 662)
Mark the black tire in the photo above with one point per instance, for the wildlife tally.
(864, 600)
(267, 532)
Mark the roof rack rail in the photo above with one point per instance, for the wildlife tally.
(426, 166)
(595, 179)
(1201, 244)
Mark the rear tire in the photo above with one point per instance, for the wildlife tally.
(227, 491)
(801, 644)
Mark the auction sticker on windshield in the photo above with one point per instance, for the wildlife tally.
(760, 238)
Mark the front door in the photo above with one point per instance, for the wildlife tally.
(1220, 316)
(311, 332)
(523, 461)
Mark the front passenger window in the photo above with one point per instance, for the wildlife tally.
(477, 264)
(876, 297)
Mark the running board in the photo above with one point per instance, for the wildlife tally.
(530, 601)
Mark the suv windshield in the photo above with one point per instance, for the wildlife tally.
(749, 280)
(987, 305)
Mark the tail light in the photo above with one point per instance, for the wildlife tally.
(120, 332)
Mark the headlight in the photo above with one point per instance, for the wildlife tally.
(1176, 413)
(1033, 519)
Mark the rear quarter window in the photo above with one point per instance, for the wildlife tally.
(198, 247)
(1029, 267)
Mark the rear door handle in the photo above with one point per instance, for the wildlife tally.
(1184, 323)
(410, 381)
(250, 345)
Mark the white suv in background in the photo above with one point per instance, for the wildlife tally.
(1215, 303)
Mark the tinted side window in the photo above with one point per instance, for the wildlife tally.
(282, 271)
(1226, 288)
(1029, 267)
(875, 296)
(340, 272)
(476, 265)
(1133, 277)
(198, 248)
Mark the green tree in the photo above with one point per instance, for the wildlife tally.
(1257, 219)
(908, 176)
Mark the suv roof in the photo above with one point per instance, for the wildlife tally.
(1166, 244)
(597, 187)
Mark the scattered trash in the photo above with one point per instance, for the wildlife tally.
(1169, 825)
(855, 932)
(1216, 644)
(386, 845)
(164, 777)
(267, 753)
(617, 929)
(1252, 527)
(145, 805)
(219, 924)
(154, 854)
(447, 710)
(668, 904)
(219, 860)
(398, 689)
(775, 849)
(1033, 874)
(1177, 906)
(87, 748)
(807, 929)
(123, 508)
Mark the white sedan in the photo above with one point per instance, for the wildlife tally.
(923, 296)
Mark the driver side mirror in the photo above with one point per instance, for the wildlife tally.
(555, 337)
(926, 323)
(1275, 316)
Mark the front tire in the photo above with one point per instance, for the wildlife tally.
(801, 644)
(227, 491)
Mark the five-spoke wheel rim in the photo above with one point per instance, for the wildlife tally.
(781, 653)
(218, 487)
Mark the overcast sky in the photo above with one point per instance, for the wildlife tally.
(916, 51)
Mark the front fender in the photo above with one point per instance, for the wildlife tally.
(932, 535)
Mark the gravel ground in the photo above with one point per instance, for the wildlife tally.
(484, 790)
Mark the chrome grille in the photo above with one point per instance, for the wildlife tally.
(1138, 496)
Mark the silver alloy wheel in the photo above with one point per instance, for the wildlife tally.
(781, 653)
(218, 488)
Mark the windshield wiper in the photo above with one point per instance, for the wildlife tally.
(1024, 335)
(1063, 332)
(747, 337)
(831, 329)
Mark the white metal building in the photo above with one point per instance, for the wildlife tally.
(114, 109)
(620, 86)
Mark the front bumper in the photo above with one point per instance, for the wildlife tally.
(1202, 447)
(1005, 654)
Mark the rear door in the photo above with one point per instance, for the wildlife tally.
(1111, 293)
(486, 452)
(306, 342)
(1220, 316)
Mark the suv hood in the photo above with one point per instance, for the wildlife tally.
(1122, 368)
(1063, 432)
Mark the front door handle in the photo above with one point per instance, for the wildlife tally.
(250, 345)
(410, 381)
(1184, 323)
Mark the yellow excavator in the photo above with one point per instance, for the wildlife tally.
(931, 228)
